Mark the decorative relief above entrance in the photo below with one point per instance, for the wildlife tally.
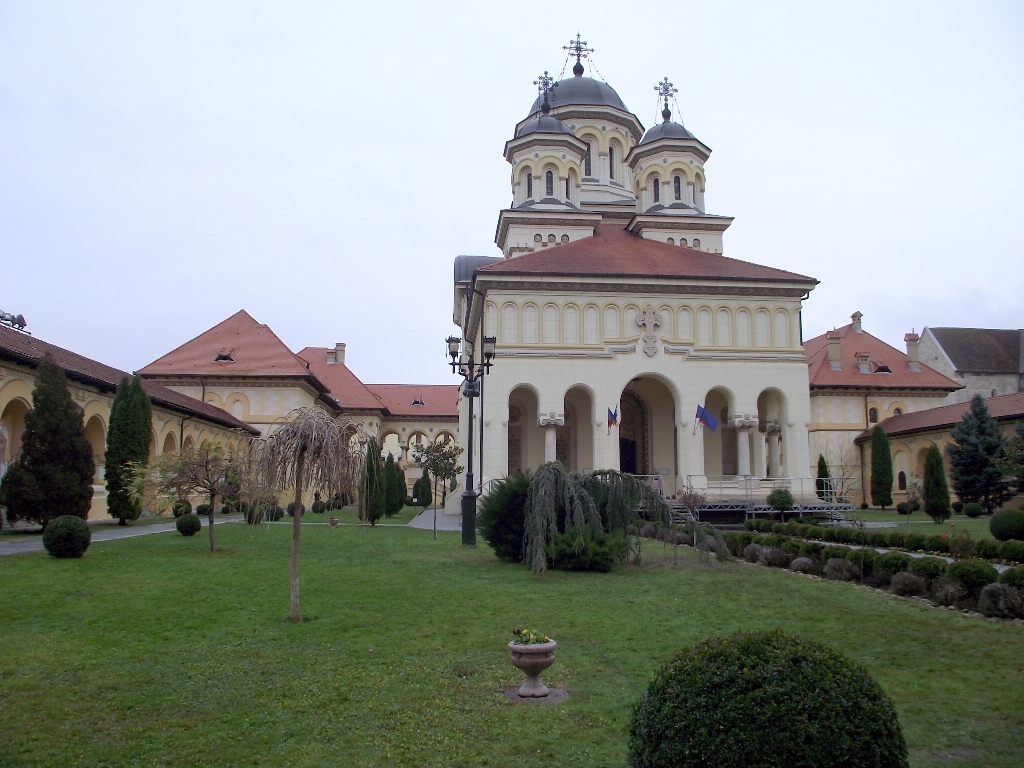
(649, 320)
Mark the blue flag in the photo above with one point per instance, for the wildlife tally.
(705, 418)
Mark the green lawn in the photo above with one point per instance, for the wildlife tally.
(153, 651)
(919, 522)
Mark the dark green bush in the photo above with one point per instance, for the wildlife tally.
(203, 509)
(188, 525)
(914, 541)
(277, 514)
(1013, 576)
(890, 563)
(973, 574)
(1001, 601)
(937, 543)
(764, 698)
(291, 509)
(599, 552)
(229, 508)
(863, 505)
(781, 500)
(973, 509)
(842, 535)
(503, 514)
(895, 539)
(1007, 524)
(908, 584)
(958, 507)
(317, 507)
(987, 549)
(929, 568)
(828, 553)
(1012, 551)
(864, 559)
(181, 507)
(67, 536)
(903, 508)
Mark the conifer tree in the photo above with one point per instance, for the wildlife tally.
(976, 449)
(128, 439)
(373, 499)
(881, 469)
(824, 482)
(403, 488)
(936, 492)
(425, 491)
(392, 497)
(53, 473)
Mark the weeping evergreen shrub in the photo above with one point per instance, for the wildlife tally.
(584, 506)
(502, 516)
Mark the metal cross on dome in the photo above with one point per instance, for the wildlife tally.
(578, 48)
(666, 89)
(543, 82)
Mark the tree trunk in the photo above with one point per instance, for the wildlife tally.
(300, 466)
(213, 541)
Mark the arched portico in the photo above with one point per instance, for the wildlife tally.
(96, 434)
(721, 445)
(12, 427)
(770, 448)
(525, 437)
(648, 432)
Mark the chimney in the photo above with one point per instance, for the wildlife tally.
(336, 355)
(835, 360)
(863, 362)
(855, 317)
(913, 356)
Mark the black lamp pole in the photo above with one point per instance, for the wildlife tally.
(472, 387)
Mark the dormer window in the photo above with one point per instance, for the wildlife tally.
(417, 400)
(883, 369)
(678, 188)
(224, 356)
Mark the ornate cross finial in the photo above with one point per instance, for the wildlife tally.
(543, 82)
(578, 48)
(666, 89)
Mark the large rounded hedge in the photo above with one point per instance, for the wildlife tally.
(181, 507)
(503, 515)
(1007, 524)
(188, 525)
(67, 536)
(764, 699)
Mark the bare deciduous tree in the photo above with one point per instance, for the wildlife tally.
(310, 450)
(844, 472)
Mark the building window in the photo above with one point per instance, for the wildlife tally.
(682, 241)
(567, 188)
(696, 243)
(657, 190)
(671, 241)
(873, 416)
(529, 184)
(678, 184)
(549, 184)
(586, 162)
(902, 481)
(897, 411)
(611, 162)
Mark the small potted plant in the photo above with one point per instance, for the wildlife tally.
(333, 520)
(532, 652)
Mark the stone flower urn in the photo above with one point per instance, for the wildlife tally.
(533, 659)
(334, 521)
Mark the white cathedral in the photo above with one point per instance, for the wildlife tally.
(615, 313)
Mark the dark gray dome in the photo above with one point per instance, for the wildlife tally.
(666, 130)
(543, 124)
(581, 90)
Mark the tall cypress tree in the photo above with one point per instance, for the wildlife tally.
(425, 491)
(392, 502)
(53, 474)
(824, 481)
(881, 469)
(403, 489)
(976, 449)
(128, 439)
(373, 501)
(936, 492)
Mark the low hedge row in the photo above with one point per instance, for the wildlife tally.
(986, 549)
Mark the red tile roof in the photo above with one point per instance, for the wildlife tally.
(253, 349)
(28, 350)
(615, 252)
(435, 399)
(1003, 407)
(345, 387)
(880, 355)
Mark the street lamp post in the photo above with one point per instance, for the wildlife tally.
(472, 387)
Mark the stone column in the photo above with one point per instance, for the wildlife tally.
(773, 452)
(743, 450)
(549, 442)
(757, 457)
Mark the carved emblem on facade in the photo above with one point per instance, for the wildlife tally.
(649, 320)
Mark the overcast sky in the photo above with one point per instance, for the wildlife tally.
(163, 165)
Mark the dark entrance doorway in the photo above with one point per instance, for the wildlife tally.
(627, 455)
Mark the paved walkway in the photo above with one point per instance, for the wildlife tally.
(28, 543)
(445, 522)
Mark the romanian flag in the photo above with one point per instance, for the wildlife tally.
(705, 418)
(613, 417)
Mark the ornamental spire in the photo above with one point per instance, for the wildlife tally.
(544, 85)
(666, 89)
(578, 48)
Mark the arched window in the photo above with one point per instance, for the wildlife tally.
(549, 184)
(657, 189)
(567, 188)
(682, 242)
(873, 415)
(897, 411)
(678, 186)
(902, 481)
(696, 243)
(529, 183)
(611, 161)
(671, 241)
(586, 161)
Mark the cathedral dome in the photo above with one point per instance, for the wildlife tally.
(581, 90)
(543, 124)
(666, 130)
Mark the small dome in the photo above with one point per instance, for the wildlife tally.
(581, 90)
(544, 124)
(666, 130)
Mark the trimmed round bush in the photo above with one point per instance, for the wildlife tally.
(502, 519)
(892, 563)
(277, 513)
(947, 591)
(1013, 576)
(903, 508)
(732, 701)
(781, 500)
(929, 568)
(67, 536)
(600, 552)
(1012, 550)
(188, 525)
(937, 543)
(973, 574)
(1007, 524)
(203, 509)
(840, 569)
(229, 507)
(986, 549)
(802, 565)
(181, 507)
(973, 509)
(863, 505)
(895, 539)
(291, 509)
(914, 541)
(908, 585)
(864, 559)
(958, 507)
(1001, 601)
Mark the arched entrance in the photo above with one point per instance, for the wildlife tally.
(12, 427)
(770, 451)
(574, 441)
(96, 434)
(633, 434)
(169, 444)
(648, 436)
(721, 445)
(525, 441)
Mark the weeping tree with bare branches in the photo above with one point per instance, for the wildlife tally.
(313, 451)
